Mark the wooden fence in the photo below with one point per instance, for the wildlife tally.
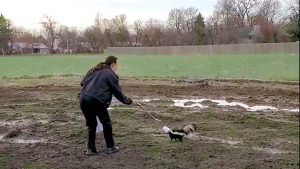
(256, 48)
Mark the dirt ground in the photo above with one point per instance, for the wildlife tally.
(41, 125)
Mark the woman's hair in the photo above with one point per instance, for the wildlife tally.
(108, 61)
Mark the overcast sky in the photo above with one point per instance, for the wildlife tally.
(81, 13)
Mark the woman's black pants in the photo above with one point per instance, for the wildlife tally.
(91, 108)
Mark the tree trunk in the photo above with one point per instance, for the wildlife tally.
(11, 47)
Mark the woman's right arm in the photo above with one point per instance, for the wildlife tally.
(117, 91)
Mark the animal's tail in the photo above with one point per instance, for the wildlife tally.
(184, 130)
(166, 129)
(171, 133)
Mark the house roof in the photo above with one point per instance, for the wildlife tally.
(85, 45)
(39, 46)
(245, 32)
(23, 45)
(19, 45)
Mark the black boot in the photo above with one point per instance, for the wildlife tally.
(91, 146)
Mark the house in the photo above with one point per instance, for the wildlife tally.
(244, 35)
(28, 48)
(40, 48)
(250, 34)
(268, 33)
(255, 32)
(20, 48)
(85, 47)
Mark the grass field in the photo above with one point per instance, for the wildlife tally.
(42, 126)
(264, 67)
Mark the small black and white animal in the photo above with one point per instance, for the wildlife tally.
(178, 132)
(176, 136)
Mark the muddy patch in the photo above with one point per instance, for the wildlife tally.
(272, 151)
(12, 134)
(230, 135)
(14, 140)
(21, 123)
(230, 141)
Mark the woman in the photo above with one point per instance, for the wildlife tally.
(98, 86)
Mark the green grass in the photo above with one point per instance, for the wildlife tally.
(264, 67)
(4, 161)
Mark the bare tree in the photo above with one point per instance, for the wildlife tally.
(120, 27)
(171, 37)
(219, 31)
(50, 27)
(190, 15)
(69, 38)
(292, 7)
(176, 19)
(224, 12)
(98, 21)
(267, 17)
(108, 29)
(248, 8)
(182, 20)
(270, 10)
(95, 38)
(25, 36)
(153, 33)
(137, 31)
(211, 30)
(10, 34)
(236, 15)
(215, 29)
(237, 12)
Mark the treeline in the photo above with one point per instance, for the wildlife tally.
(233, 21)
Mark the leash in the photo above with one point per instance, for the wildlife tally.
(165, 128)
(147, 112)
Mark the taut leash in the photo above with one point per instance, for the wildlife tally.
(147, 112)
